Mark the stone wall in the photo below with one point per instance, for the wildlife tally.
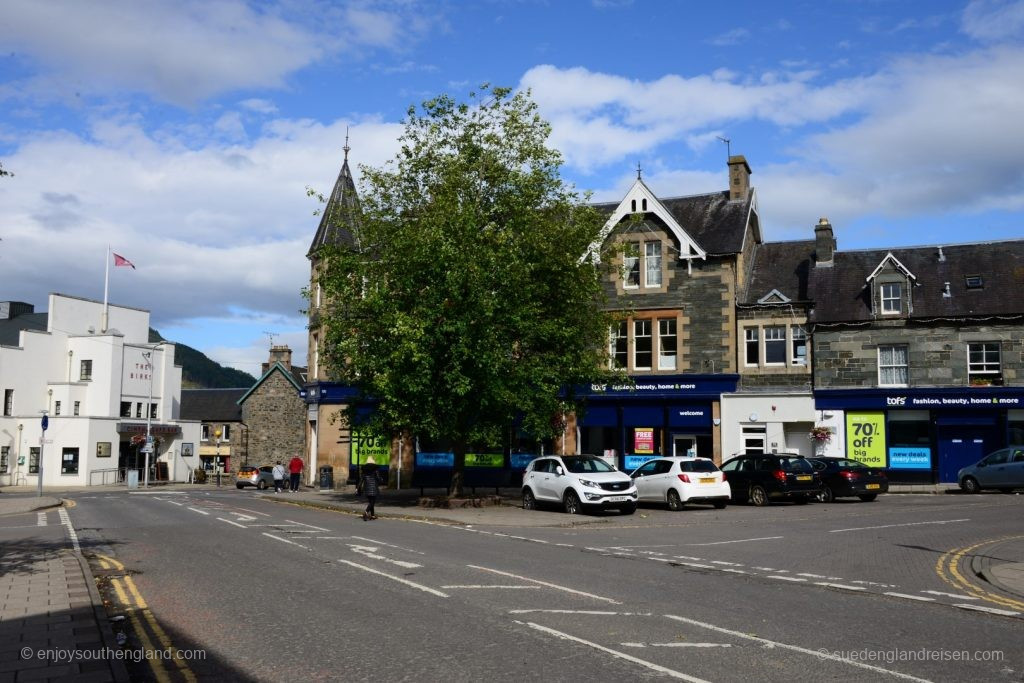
(276, 416)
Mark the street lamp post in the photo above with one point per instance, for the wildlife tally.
(216, 455)
(148, 447)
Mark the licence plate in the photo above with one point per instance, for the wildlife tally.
(617, 499)
(804, 477)
(707, 480)
(873, 486)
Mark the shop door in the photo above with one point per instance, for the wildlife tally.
(960, 446)
(684, 445)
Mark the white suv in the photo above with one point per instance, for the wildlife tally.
(577, 482)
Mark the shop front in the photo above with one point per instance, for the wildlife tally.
(664, 415)
(926, 435)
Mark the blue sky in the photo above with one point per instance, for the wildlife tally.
(184, 134)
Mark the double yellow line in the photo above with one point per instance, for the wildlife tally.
(131, 599)
(948, 569)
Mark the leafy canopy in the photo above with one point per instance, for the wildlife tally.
(465, 304)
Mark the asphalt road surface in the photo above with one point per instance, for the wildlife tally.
(841, 591)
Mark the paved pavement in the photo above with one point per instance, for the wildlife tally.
(52, 622)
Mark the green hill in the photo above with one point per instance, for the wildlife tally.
(199, 372)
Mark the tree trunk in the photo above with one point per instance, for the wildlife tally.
(456, 490)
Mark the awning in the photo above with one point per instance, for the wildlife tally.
(643, 416)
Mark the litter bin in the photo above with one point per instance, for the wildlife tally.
(327, 477)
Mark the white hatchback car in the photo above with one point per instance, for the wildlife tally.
(677, 481)
(577, 482)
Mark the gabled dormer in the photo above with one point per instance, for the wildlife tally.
(774, 297)
(891, 288)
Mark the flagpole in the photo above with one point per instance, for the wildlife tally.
(106, 288)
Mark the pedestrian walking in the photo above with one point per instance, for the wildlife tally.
(295, 466)
(369, 484)
(278, 473)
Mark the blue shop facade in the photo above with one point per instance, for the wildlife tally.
(925, 435)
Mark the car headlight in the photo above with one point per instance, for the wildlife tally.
(589, 484)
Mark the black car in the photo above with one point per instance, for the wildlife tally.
(763, 477)
(845, 478)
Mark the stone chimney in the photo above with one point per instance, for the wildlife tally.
(279, 354)
(739, 178)
(824, 243)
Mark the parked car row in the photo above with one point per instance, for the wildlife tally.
(585, 482)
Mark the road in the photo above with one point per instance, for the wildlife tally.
(844, 591)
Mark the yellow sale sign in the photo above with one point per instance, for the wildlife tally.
(865, 438)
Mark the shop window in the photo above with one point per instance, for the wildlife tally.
(892, 366)
(618, 353)
(891, 294)
(33, 460)
(69, 461)
(983, 363)
(642, 348)
(85, 370)
(667, 344)
(752, 346)
(602, 441)
(775, 345)
(798, 337)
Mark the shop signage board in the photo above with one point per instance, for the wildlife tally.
(366, 444)
(865, 438)
(910, 458)
(643, 440)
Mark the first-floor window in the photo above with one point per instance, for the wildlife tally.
(138, 410)
(752, 346)
(775, 345)
(33, 460)
(983, 360)
(225, 433)
(5, 456)
(642, 350)
(652, 264)
(85, 372)
(8, 401)
(619, 351)
(152, 411)
(69, 461)
(205, 432)
(667, 344)
(56, 407)
(892, 366)
(77, 407)
(631, 266)
(799, 339)
(126, 408)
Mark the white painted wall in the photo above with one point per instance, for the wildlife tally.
(786, 417)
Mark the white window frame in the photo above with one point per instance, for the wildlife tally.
(773, 330)
(887, 298)
(797, 334)
(983, 368)
(85, 370)
(893, 366)
(646, 325)
(225, 433)
(752, 336)
(204, 434)
(618, 359)
(652, 264)
(667, 354)
(630, 266)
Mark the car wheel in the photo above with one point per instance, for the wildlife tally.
(529, 502)
(675, 503)
(758, 496)
(261, 485)
(720, 504)
(801, 500)
(825, 495)
(868, 497)
(239, 486)
(572, 503)
(628, 509)
(970, 485)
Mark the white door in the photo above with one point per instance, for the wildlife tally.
(684, 445)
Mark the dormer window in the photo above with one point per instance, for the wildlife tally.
(643, 268)
(974, 282)
(631, 266)
(891, 298)
(652, 258)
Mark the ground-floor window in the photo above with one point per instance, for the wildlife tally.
(754, 439)
(1015, 427)
(5, 454)
(33, 460)
(599, 440)
(69, 461)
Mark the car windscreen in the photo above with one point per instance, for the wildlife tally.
(851, 464)
(578, 465)
(795, 465)
(698, 466)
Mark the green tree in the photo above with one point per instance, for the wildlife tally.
(465, 304)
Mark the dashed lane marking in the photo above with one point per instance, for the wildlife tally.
(958, 596)
(202, 512)
(544, 583)
(399, 579)
(892, 526)
(593, 612)
(285, 540)
(240, 526)
(697, 645)
(388, 545)
(497, 586)
(371, 552)
(742, 540)
(909, 597)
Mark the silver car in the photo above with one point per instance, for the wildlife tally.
(260, 477)
(1002, 470)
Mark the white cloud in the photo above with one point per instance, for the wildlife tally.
(993, 20)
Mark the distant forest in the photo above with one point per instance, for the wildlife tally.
(199, 372)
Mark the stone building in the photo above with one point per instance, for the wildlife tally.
(223, 439)
(275, 412)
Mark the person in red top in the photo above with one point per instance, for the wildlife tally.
(295, 469)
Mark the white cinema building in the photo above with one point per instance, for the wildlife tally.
(102, 385)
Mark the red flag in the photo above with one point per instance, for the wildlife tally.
(122, 261)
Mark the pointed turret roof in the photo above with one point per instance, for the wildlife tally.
(340, 212)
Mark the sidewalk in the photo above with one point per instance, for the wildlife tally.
(52, 622)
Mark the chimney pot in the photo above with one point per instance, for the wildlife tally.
(739, 178)
(824, 243)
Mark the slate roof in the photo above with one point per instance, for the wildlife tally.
(340, 211)
(714, 222)
(10, 329)
(781, 266)
(293, 375)
(219, 405)
(842, 294)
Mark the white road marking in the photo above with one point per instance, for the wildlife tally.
(786, 578)
(389, 545)
(891, 526)
(690, 564)
(243, 518)
(284, 540)
(157, 493)
(910, 597)
(951, 595)
(66, 521)
(594, 612)
(174, 502)
(371, 552)
(240, 526)
(41, 519)
(813, 576)
(675, 644)
(744, 540)
(399, 579)
(263, 514)
(990, 610)
(318, 528)
(202, 512)
(615, 653)
(731, 564)
(496, 586)
(545, 583)
(839, 585)
(819, 654)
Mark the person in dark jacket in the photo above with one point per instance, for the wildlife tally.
(369, 484)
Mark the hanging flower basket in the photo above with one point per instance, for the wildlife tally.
(820, 435)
